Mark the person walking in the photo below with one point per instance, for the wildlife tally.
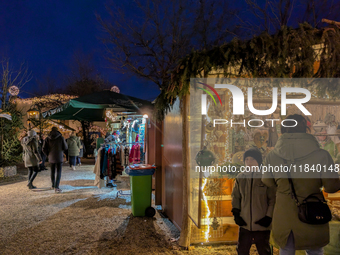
(66, 151)
(100, 140)
(297, 147)
(253, 205)
(54, 147)
(81, 152)
(43, 156)
(31, 156)
(73, 144)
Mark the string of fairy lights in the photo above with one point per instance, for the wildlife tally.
(61, 98)
(53, 97)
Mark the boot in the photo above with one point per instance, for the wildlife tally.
(73, 168)
(30, 182)
(30, 186)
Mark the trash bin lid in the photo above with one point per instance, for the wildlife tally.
(140, 169)
(141, 166)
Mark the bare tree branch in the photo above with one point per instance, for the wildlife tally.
(161, 33)
(11, 77)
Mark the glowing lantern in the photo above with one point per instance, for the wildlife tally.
(115, 89)
(13, 90)
(33, 113)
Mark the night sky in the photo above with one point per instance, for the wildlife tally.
(47, 33)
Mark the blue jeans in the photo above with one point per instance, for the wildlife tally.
(289, 249)
(72, 160)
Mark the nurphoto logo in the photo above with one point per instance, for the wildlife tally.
(238, 104)
(238, 99)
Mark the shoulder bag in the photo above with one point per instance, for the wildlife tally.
(313, 209)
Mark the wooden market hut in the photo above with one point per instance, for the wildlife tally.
(291, 53)
(92, 108)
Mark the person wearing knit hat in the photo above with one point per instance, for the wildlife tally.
(252, 205)
(255, 154)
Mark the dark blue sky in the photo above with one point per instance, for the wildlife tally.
(47, 33)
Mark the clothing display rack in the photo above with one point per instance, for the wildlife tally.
(116, 153)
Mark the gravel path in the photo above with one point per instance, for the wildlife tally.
(82, 220)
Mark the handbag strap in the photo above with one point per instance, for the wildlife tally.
(294, 196)
(292, 186)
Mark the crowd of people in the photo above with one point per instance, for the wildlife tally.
(53, 148)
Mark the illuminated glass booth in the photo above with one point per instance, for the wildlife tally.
(212, 128)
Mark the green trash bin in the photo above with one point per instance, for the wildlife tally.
(141, 190)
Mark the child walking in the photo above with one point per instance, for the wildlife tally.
(252, 206)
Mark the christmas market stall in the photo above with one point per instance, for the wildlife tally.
(219, 139)
(128, 126)
(32, 109)
(199, 202)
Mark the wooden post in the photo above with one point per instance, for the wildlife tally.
(184, 239)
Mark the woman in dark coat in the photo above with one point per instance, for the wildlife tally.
(54, 147)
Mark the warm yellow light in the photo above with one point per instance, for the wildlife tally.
(145, 116)
(206, 233)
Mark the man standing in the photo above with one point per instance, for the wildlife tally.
(31, 156)
(53, 147)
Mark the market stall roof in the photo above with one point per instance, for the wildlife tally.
(64, 125)
(91, 107)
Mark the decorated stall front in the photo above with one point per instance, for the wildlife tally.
(217, 140)
(127, 121)
(200, 203)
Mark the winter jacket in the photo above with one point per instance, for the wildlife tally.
(54, 146)
(73, 144)
(254, 199)
(31, 155)
(99, 142)
(82, 149)
(302, 149)
(99, 182)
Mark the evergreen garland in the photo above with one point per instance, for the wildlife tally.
(287, 54)
(10, 146)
